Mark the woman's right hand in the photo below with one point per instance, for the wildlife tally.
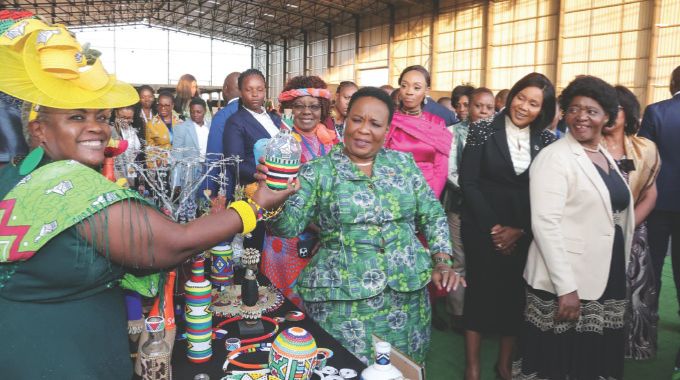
(267, 198)
(569, 307)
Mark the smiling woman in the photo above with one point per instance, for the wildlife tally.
(284, 258)
(575, 271)
(71, 234)
(496, 216)
(79, 135)
(370, 268)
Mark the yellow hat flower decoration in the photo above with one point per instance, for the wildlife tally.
(45, 65)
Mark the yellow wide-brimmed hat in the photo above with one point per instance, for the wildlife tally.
(46, 66)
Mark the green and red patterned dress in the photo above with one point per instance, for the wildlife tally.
(62, 314)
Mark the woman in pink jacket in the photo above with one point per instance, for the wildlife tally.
(418, 132)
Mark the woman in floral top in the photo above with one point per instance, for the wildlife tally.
(370, 274)
(283, 259)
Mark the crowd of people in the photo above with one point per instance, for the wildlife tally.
(541, 218)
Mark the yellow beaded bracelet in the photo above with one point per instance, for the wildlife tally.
(247, 215)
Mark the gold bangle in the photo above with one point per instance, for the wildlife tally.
(247, 215)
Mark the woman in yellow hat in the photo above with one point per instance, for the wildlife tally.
(66, 233)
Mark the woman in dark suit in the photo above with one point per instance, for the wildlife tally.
(496, 222)
(250, 123)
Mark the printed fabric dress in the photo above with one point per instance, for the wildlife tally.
(63, 314)
(280, 260)
(640, 166)
(370, 274)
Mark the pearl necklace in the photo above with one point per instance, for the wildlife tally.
(591, 150)
(363, 163)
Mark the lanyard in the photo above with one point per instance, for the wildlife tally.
(309, 148)
(146, 120)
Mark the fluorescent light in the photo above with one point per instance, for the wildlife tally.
(292, 5)
(268, 14)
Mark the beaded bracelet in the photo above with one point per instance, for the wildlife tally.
(257, 338)
(259, 347)
(263, 214)
(247, 215)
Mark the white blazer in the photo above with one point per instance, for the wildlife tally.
(572, 222)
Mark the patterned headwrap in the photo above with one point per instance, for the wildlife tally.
(298, 92)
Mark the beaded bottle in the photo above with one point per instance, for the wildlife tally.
(198, 314)
(282, 155)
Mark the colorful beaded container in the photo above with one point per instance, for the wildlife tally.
(293, 354)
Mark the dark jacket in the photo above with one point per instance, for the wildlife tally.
(240, 135)
(12, 141)
(493, 193)
(437, 109)
(661, 124)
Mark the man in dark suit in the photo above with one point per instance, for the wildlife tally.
(231, 94)
(661, 124)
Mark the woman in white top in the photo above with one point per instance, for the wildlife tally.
(496, 223)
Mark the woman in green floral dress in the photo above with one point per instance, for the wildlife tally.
(370, 274)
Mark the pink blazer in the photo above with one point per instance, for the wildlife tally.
(428, 140)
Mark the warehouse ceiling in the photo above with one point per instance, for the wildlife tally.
(251, 22)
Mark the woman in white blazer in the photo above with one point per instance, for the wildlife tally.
(582, 222)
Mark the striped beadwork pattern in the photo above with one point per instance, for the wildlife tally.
(222, 267)
(279, 170)
(197, 314)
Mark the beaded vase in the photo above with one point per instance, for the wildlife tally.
(282, 155)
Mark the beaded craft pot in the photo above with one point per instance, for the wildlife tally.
(293, 355)
(222, 267)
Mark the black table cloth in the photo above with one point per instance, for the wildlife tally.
(183, 369)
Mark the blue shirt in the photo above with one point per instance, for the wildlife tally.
(215, 145)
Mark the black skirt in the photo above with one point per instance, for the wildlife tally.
(494, 297)
(590, 348)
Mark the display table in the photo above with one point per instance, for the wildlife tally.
(185, 370)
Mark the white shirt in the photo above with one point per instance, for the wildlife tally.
(202, 133)
(519, 143)
(266, 121)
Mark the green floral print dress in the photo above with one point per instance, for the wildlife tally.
(370, 274)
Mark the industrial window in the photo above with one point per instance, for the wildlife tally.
(294, 66)
(667, 52)
(459, 57)
(343, 58)
(276, 79)
(523, 40)
(373, 50)
(318, 60)
(608, 39)
(411, 45)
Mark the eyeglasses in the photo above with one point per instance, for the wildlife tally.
(311, 107)
(590, 112)
(160, 105)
